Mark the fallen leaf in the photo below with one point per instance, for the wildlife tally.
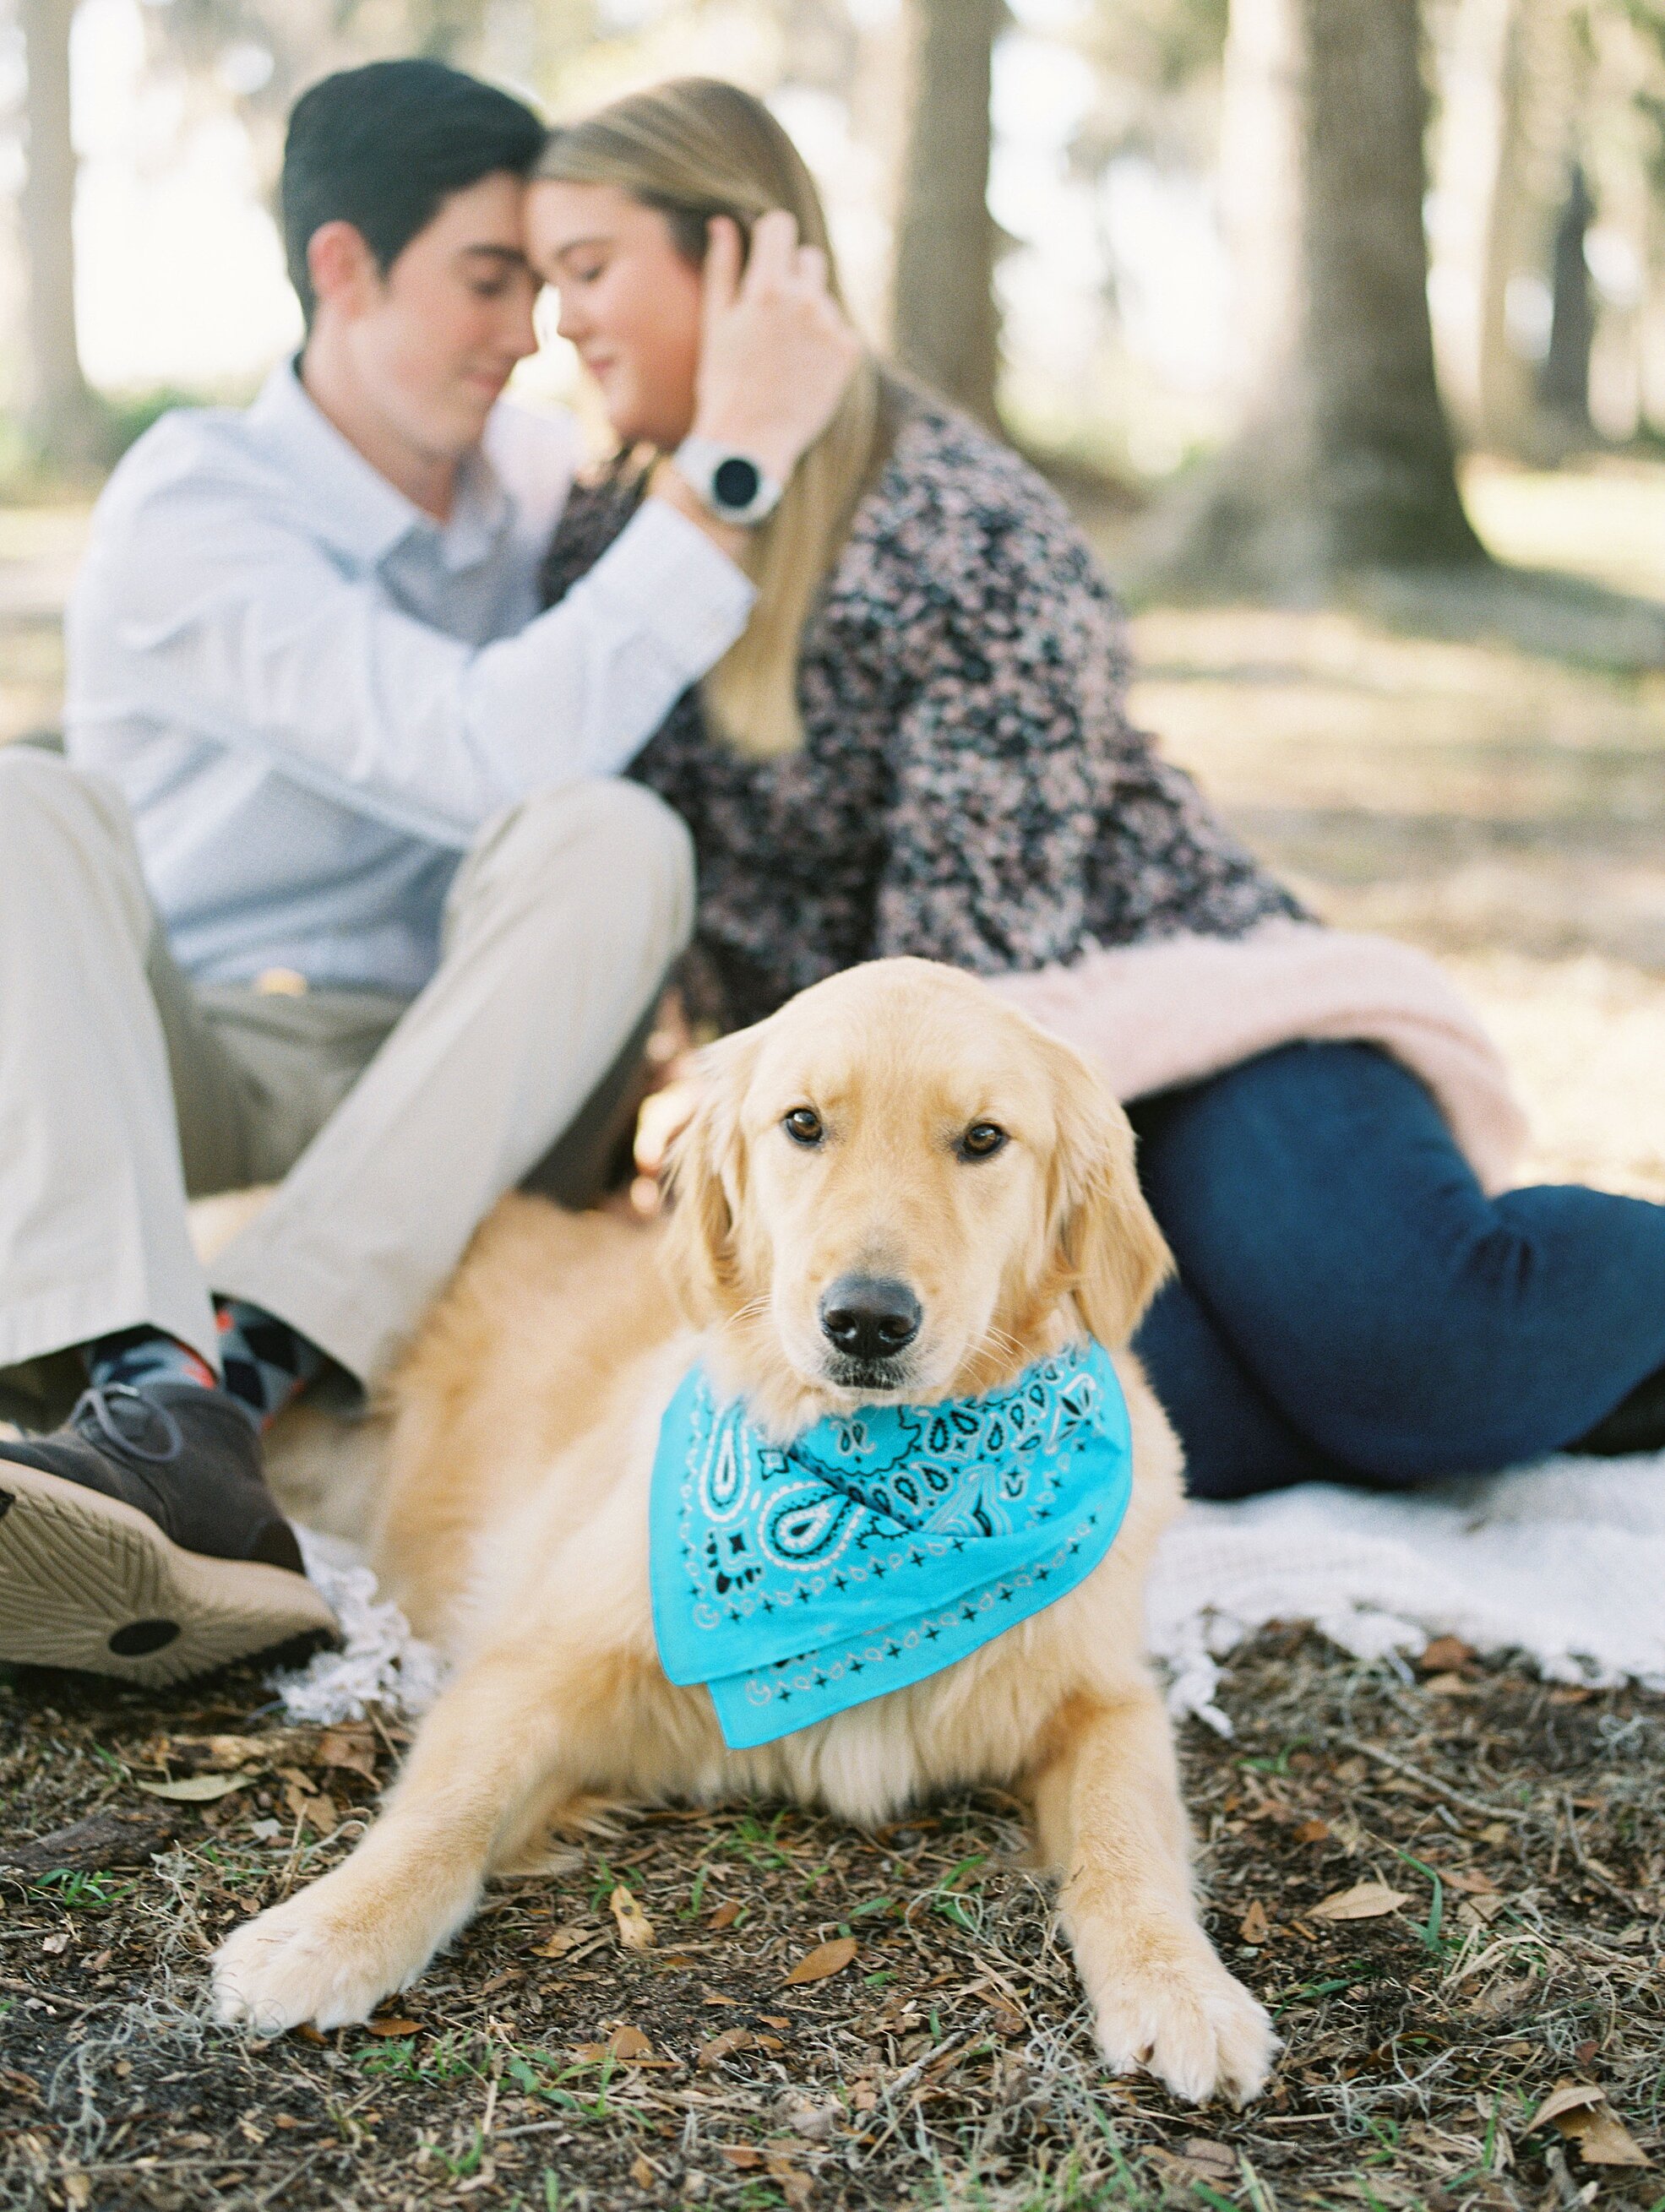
(1214, 2161)
(308, 2033)
(1483, 1909)
(195, 1788)
(726, 1914)
(713, 1997)
(1602, 2137)
(775, 2020)
(1365, 1900)
(642, 2173)
(352, 1748)
(1255, 1927)
(1470, 1880)
(229, 1751)
(322, 1815)
(1443, 1653)
(629, 2043)
(723, 2046)
(816, 2118)
(395, 2026)
(796, 2188)
(559, 1940)
(745, 2156)
(1580, 2110)
(55, 1944)
(636, 1929)
(1454, 1685)
(1312, 1832)
(826, 1960)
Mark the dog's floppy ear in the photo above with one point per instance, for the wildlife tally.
(707, 1167)
(1109, 1249)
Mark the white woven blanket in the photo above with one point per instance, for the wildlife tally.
(1565, 1563)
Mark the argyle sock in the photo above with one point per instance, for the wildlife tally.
(136, 1357)
(265, 1362)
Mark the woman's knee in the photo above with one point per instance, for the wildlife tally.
(1458, 1388)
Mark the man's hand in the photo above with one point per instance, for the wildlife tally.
(776, 353)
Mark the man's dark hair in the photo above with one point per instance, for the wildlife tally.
(381, 146)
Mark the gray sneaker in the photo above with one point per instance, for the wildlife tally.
(140, 1540)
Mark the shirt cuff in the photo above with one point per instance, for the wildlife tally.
(663, 575)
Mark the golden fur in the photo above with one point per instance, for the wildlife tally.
(515, 1521)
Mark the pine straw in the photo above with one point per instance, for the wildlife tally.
(949, 2063)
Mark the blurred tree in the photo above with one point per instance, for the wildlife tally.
(945, 323)
(256, 56)
(1564, 383)
(1345, 461)
(62, 417)
(1507, 393)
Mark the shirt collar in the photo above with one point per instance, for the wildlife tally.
(356, 508)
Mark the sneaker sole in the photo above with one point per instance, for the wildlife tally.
(89, 1582)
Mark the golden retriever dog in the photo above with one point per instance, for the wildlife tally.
(898, 1121)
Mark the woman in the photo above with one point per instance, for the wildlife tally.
(920, 746)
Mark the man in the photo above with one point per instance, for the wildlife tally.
(339, 888)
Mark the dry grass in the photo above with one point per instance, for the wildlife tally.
(1499, 807)
(948, 2062)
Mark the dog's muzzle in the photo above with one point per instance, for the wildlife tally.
(869, 1321)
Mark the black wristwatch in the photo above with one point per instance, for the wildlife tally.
(732, 485)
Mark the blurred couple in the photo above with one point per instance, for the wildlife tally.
(407, 760)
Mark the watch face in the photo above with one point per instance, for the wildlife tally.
(736, 482)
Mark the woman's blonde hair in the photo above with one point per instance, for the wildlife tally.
(693, 149)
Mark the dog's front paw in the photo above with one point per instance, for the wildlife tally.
(307, 1961)
(1190, 2023)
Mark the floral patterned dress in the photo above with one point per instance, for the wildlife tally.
(969, 789)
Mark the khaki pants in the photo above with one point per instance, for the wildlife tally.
(390, 1128)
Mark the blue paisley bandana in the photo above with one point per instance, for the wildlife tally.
(878, 1546)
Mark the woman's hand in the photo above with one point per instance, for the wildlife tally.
(775, 352)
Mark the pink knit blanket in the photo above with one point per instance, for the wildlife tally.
(1176, 1009)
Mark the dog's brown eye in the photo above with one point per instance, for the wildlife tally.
(803, 1125)
(982, 1141)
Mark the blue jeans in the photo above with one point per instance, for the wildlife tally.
(1349, 1304)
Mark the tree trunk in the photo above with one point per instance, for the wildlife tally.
(1345, 461)
(944, 323)
(1565, 384)
(1514, 242)
(61, 415)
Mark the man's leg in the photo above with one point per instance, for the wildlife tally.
(93, 1230)
(139, 1540)
(560, 929)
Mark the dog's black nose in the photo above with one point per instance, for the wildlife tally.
(870, 1316)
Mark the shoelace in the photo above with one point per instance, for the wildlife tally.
(94, 1412)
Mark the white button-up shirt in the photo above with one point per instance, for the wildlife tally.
(312, 695)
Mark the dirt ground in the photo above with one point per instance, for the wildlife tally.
(1448, 1881)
